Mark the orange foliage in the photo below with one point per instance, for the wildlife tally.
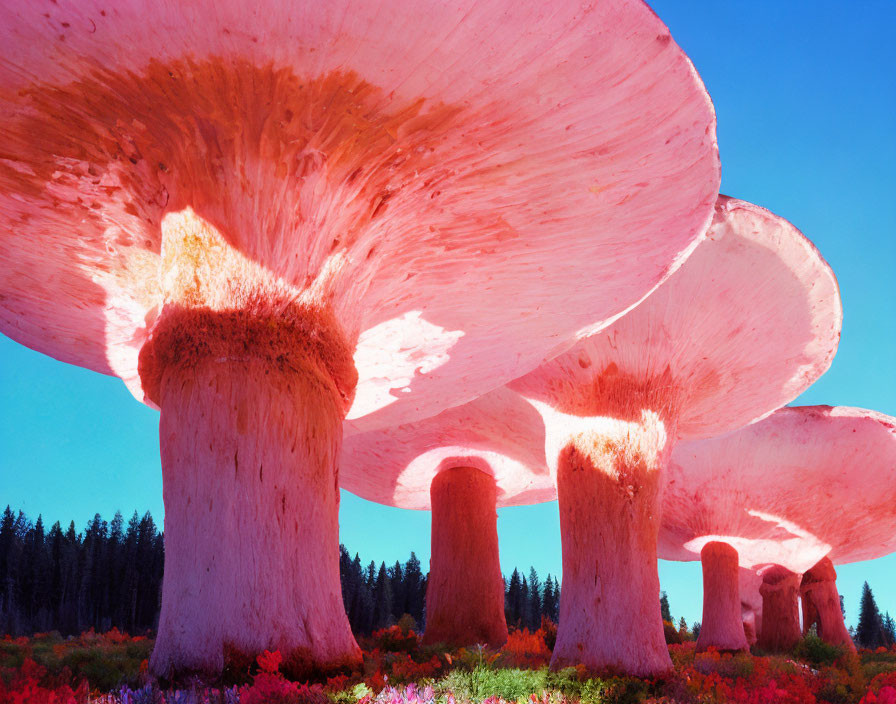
(525, 649)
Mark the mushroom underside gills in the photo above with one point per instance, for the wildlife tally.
(465, 589)
(722, 626)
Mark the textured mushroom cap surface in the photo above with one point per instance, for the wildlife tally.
(499, 434)
(747, 323)
(803, 483)
(404, 164)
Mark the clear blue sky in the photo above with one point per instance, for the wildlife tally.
(806, 99)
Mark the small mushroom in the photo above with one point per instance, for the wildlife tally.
(793, 494)
(461, 464)
(717, 628)
(780, 590)
(820, 601)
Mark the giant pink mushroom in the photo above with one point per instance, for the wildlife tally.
(461, 464)
(750, 320)
(791, 494)
(255, 216)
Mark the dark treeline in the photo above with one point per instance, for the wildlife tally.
(527, 600)
(376, 597)
(111, 576)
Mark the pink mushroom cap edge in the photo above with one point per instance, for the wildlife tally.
(804, 483)
(499, 434)
(743, 327)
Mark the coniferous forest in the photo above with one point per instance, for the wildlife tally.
(110, 575)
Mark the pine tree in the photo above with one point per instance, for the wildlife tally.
(97, 545)
(360, 613)
(547, 596)
(130, 579)
(25, 587)
(524, 603)
(396, 580)
(55, 544)
(513, 599)
(347, 580)
(535, 591)
(71, 582)
(150, 560)
(42, 571)
(550, 601)
(664, 607)
(7, 571)
(869, 633)
(382, 599)
(115, 569)
(889, 630)
(415, 590)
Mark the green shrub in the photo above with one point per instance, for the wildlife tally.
(565, 680)
(598, 690)
(482, 682)
(614, 690)
(814, 650)
(104, 668)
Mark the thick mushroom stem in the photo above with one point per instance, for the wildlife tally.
(821, 604)
(465, 589)
(780, 609)
(253, 380)
(249, 454)
(722, 626)
(608, 485)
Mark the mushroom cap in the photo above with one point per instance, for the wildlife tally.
(464, 186)
(498, 433)
(806, 482)
(746, 324)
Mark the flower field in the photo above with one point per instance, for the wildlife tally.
(112, 669)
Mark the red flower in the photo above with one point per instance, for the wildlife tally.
(270, 662)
